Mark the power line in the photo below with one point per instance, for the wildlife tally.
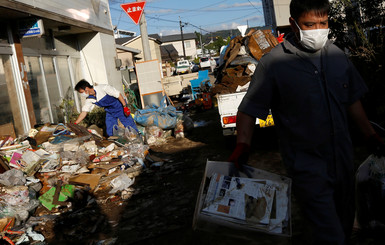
(174, 21)
(255, 7)
(191, 10)
(187, 23)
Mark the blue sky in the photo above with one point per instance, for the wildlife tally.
(210, 15)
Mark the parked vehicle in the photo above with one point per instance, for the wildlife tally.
(228, 108)
(204, 63)
(194, 67)
(182, 66)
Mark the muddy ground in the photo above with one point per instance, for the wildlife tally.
(162, 201)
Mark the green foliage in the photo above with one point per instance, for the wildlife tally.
(131, 100)
(217, 44)
(67, 108)
(96, 117)
(358, 26)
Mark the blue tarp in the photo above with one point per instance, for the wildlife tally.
(164, 117)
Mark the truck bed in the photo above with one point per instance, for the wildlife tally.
(228, 108)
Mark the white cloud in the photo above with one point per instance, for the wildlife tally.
(161, 11)
(236, 5)
(166, 32)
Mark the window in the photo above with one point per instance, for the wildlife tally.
(187, 44)
(9, 105)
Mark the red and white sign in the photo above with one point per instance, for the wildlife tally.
(134, 10)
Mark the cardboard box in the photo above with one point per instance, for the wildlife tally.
(217, 224)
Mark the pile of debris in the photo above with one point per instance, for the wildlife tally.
(241, 59)
(56, 169)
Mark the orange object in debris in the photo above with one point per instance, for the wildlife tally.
(280, 38)
(207, 101)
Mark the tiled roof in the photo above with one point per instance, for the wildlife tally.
(178, 37)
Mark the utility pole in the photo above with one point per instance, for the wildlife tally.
(181, 34)
(200, 37)
(144, 35)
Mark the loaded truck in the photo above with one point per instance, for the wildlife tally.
(228, 108)
(235, 72)
(276, 15)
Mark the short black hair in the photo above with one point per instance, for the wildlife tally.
(83, 84)
(299, 7)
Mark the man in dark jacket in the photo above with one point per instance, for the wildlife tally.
(311, 87)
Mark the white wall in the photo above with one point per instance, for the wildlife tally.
(282, 12)
(192, 51)
(95, 12)
(98, 53)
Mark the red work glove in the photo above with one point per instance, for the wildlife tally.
(126, 111)
(240, 155)
(376, 145)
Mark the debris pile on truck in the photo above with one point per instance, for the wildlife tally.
(241, 58)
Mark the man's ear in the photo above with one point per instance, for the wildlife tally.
(294, 27)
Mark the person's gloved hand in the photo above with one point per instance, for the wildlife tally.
(126, 111)
(240, 155)
(376, 145)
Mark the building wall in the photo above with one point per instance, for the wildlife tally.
(99, 57)
(52, 64)
(127, 58)
(154, 49)
(92, 12)
(282, 12)
(276, 12)
(190, 50)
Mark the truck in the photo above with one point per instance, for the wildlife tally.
(228, 108)
(182, 66)
(174, 85)
(228, 98)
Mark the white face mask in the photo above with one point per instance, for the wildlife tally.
(84, 94)
(313, 40)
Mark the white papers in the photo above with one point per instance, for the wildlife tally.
(255, 202)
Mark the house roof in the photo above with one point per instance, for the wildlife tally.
(178, 37)
(128, 49)
(125, 40)
(168, 52)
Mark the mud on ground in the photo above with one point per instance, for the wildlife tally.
(162, 201)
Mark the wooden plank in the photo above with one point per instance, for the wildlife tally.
(13, 98)
(7, 130)
(24, 79)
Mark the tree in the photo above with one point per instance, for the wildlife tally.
(358, 26)
(217, 44)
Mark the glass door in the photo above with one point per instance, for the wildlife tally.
(10, 119)
(39, 90)
(53, 88)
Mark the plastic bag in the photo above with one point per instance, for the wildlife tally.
(13, 177)
(154, 135)
(164, 116)
(370, 181)
(120, 183)
(132, 135)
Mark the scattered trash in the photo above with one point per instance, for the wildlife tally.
(52, 169)
(240, 60)
(120, 183)
(370, 182)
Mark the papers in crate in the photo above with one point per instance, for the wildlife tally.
(258, 203)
